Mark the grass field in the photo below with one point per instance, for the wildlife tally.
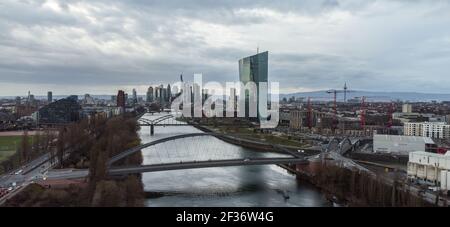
(8, 146)
(247, 133)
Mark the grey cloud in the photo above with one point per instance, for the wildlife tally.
(143, 42)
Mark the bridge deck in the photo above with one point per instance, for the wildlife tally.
(73, 174)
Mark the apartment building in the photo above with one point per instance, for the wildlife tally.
(436, 130)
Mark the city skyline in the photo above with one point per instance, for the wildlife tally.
(99, 47)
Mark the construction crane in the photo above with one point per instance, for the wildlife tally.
(310, 111)
(363, 110)
(363, 113)
(335, 92)
(391, 117)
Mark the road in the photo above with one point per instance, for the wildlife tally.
(29, 173)
(18, 179)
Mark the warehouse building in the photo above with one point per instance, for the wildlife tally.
(402, 145)
(430, 168)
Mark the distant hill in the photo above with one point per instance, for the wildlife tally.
(323, 96)
(374, 96)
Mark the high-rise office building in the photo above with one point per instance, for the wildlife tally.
(18, 100)
(169, 93)
(32, 100)
(121, 99)
(135, 99)
(162, 95)
(49, 97)
(157, 93)
(150, 94)
(254, 69)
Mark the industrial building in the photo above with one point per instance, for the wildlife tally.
(430, 168)
(402, 145)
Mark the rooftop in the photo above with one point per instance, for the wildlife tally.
(395, 138)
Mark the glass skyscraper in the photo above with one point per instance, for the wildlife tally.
(254, 68)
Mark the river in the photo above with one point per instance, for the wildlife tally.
(242, 186)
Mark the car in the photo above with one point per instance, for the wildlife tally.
(246, 160)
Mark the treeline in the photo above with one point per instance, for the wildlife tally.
(362, 189)
(120, 134)
(90, 144)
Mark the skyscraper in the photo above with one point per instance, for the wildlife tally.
(169, 93)
(162, 95)
(121, 99)
(150, 94)
(254, 69)
(135, 99)
(49, 97)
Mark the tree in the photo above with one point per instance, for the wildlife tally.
(61, 146)
(134, 191)
(24, 149)
(37, 144)
(98, 166)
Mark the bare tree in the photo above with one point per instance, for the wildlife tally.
(25, 148)
(60, 146)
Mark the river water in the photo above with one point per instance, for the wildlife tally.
(242, 186)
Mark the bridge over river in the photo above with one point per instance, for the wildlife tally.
(240, 176)
(198, 158)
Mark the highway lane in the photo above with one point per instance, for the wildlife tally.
(29, 173)
(17, 182)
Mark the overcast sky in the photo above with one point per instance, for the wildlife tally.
(98, 47)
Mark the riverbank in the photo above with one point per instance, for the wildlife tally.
(357, 188)
(253, 144)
